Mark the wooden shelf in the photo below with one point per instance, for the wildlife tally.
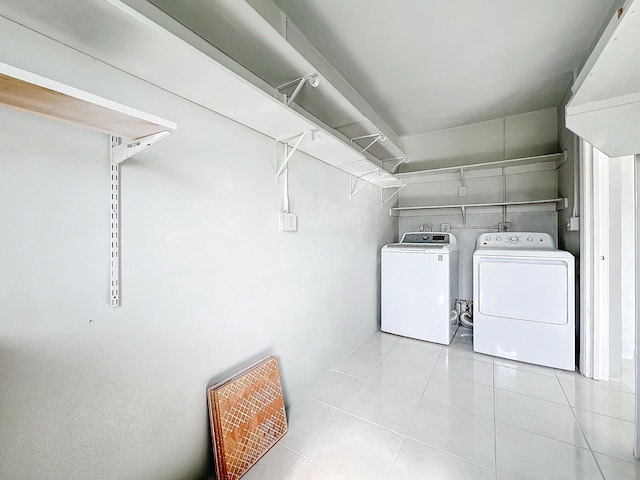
(398, 210)
(131, 131)
(31, 93)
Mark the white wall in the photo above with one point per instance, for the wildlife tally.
(525, 135)
(208, 282)
(622, 306)
(568, 185)
(533, 133)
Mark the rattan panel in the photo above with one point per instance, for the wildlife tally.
(247, 417)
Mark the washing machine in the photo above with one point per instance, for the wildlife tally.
(523, 299)
(420, 287)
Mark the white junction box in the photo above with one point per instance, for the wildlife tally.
(573, 224)
(288, 222)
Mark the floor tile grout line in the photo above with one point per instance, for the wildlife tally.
(316, 464)
(355, 350)
(600, 414)
(428, 380)
(595, 459)
(544, 436)
(448, 453)
(288, 464)
(592, 385)
(531, 396)
(524, 370)
(395, 458)
(359, 418)
(527, 371)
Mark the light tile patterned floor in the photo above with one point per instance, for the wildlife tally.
(401, 409)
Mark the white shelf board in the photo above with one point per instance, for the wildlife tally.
(513, 162)
(32, 93)
(385, 180)
(605, 107)
(330, 149)
(472, 205)
(278, 58)
(187, 71)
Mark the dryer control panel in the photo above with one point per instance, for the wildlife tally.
(523, 240)
(427, 237)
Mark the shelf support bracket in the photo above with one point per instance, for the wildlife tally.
(400, 161)
(124, 148)
(377, 137)
(464, 215)
(384, 200)
(462, 176)
(312, 78)
(120, 149)
(285, 140)
(364, 178)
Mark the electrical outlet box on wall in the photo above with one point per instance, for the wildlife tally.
(573, 224)
(288, 222)
(463, 191)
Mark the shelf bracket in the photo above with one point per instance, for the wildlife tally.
(285, 140)
(312, 78)
(464, 215)
(384, 200)
(399, 160)
(377, 137)
(462, 176)
(124, 148)
(364, 178)
(121, 149)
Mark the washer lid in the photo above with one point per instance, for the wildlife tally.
(418, 248)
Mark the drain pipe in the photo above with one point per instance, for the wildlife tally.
(466, 319)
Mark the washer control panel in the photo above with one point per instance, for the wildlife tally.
(426, 237)
(515, 240)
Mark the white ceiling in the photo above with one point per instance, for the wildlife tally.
(425, 65)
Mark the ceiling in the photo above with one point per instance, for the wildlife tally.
(426, 66)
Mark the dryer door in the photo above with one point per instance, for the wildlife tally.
(534, 290)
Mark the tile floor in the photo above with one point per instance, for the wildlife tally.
(401, 409)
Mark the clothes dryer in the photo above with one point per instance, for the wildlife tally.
(523, 299)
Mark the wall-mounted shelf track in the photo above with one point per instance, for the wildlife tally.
(130, 131)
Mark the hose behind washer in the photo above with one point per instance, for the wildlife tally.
(466, 319)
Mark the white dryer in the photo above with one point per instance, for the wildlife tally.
(420, 287)
(523, 299)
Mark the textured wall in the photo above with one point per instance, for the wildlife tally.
(209, 283)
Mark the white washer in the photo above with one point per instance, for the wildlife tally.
(523, 299)
(420, 287)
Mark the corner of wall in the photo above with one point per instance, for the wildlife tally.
(568, 181)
